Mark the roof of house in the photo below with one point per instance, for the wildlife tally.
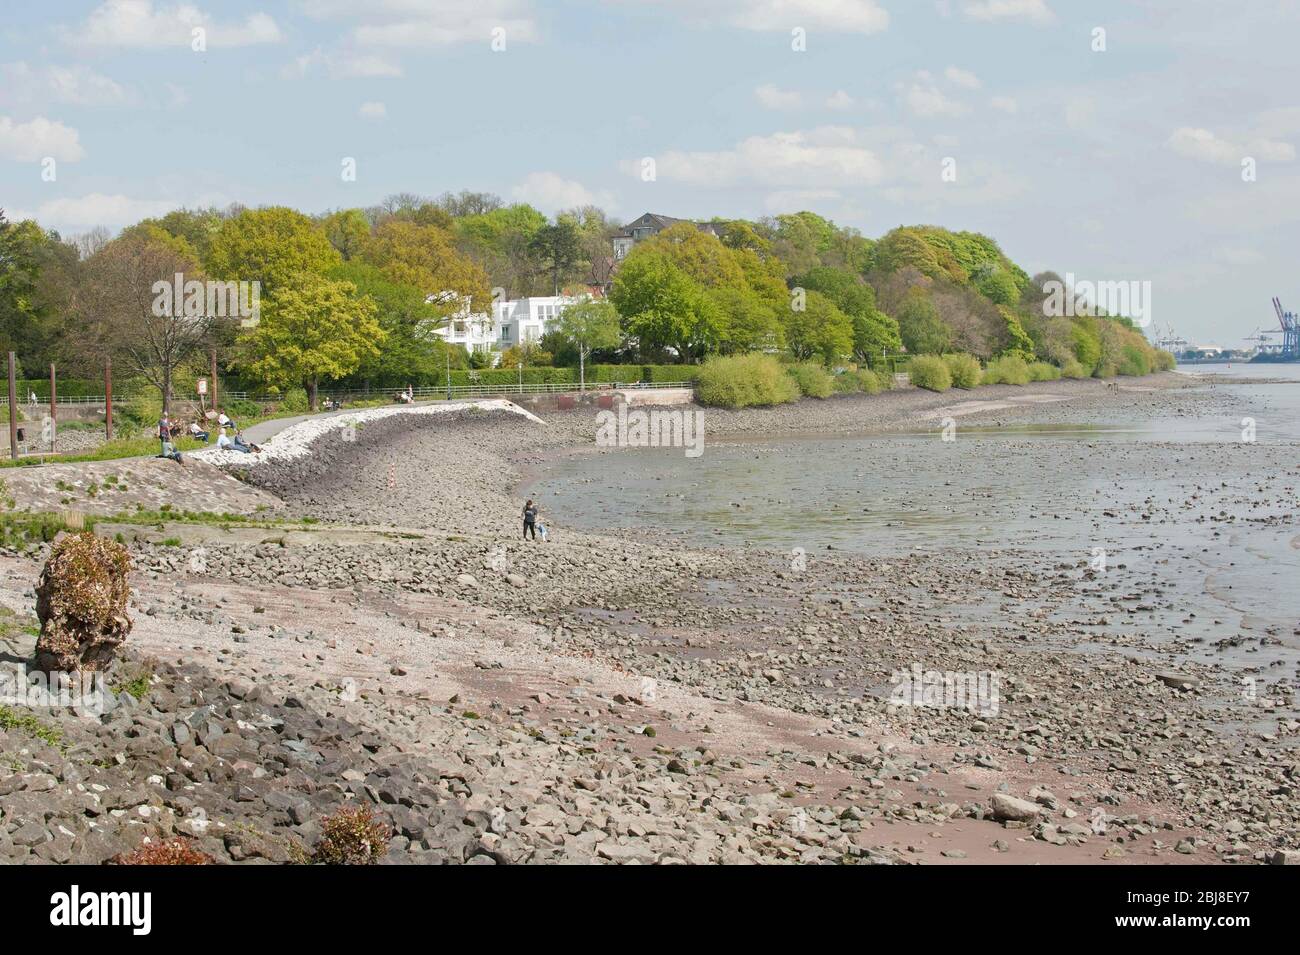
(659, 222)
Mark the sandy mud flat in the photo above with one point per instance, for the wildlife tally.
(622, 694)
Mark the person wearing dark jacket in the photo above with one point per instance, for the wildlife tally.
(530, 519)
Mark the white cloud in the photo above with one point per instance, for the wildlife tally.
(839, 100)
(373, 110)
(829, 155)
(100, 209)
(33, 141)
(963, 78)
(68, 85)
(1005, 103)
(341, 64)
(139, 24)
(549, 191)
(1035, 10)
(770, 97)
(422, 24)
(924, 98)
(781, 16)
(1206, 146)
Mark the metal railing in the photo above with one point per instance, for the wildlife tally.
(420, 394)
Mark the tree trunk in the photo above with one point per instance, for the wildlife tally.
(312, 386)
(582, 370)
(167, 391)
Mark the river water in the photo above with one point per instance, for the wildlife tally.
(1153, 492)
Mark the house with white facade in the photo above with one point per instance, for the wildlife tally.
(473, 331)
(520, 320)
(511, 322)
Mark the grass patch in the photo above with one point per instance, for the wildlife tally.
(138, 685)
(11, 720)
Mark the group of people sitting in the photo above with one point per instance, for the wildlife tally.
(168, 430)
(406, 397)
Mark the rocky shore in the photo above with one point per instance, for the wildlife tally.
(620, 698)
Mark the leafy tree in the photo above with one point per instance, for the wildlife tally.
(558, 248)
(318, 328)
(818, 330)
(425, 258)
(124, 317)
(272, 246)
(347, 230)
(411, 349)
(586, 326)
(919, 325)
(26, 314)
(874, 332)
(750, 321)
(664, 309)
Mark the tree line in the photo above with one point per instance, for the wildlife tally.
(356, 296)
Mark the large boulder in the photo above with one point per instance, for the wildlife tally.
(81, 603)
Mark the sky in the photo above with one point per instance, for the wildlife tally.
(1149, 141)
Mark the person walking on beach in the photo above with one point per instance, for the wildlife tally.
(530, 519)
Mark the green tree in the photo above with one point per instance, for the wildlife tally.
(412, 349)
(664, 309)
(347, 230)
(316, 329)
(818, 330)
(425, 257)
(558, 247)
(272, 246)
(922, 330)
(587, 326)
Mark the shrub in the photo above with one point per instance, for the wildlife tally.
(739, 381)
(964, 370)
(1007, 370)
(1165, 360)
(293, 402)
(1072, 369)
(167, 852)
(352, 836)
(813, 380)
(930, 371)
(1133, 361)
(1043, 371)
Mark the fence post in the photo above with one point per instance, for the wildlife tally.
(213, 355)
(108, 399)
(54, 410)
(13, 410)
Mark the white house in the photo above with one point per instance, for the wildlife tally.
(512, 322)
(520, 320)
(472, 330)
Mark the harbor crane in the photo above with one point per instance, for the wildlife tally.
(1290, 332)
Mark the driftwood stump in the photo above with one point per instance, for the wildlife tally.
(81, 603)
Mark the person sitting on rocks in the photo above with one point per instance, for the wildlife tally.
(197, 433)
(225, 422)
(169, 451)
(226, 443)
(247, 445)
